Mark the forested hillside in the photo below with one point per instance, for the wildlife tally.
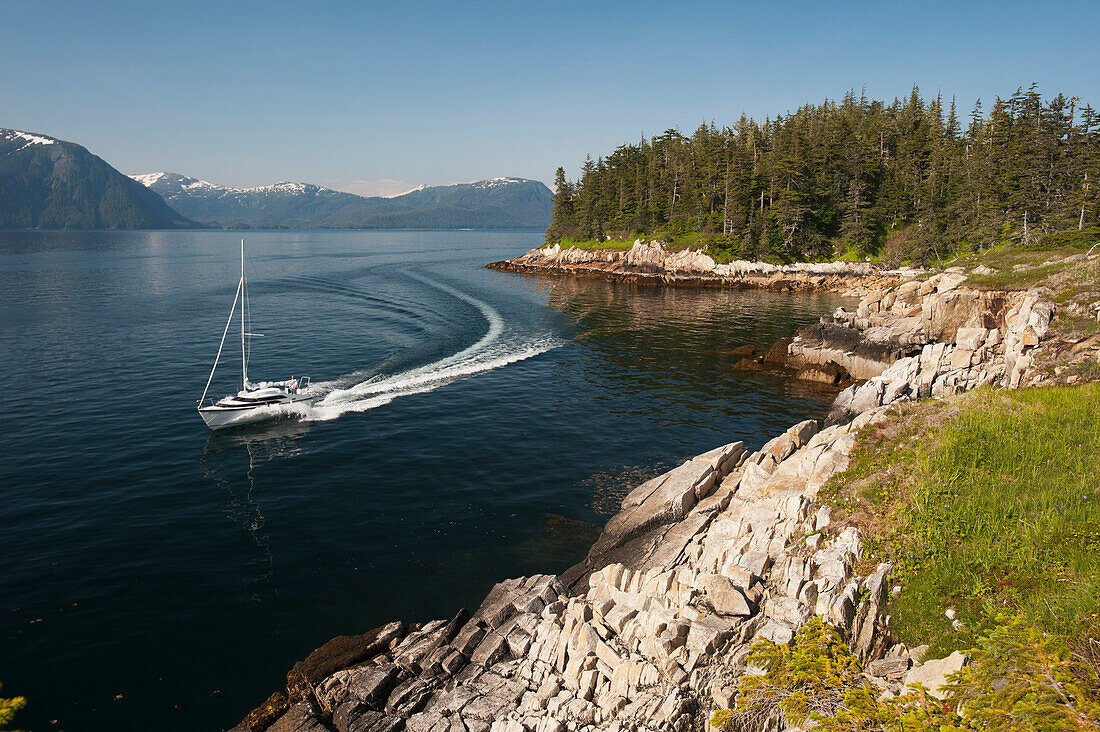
(909, 180)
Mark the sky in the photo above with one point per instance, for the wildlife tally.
(376, 98)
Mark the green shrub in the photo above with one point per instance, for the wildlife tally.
(1020, 679)
(8, 708)
(1075, 238)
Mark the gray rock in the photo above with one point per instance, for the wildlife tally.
(408, 697)
(933, 674)
(889, 668)
(469, 637)
(299, 718)
(708, 634)
(494, 648)
(726, 598)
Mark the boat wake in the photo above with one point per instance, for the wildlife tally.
(491, 351)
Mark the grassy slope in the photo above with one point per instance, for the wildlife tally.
(990, 501)
(987, 502)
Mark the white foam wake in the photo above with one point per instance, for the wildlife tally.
(484, 355)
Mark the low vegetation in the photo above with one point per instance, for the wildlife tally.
(986, 503)
(8, 708)
(1019, 678)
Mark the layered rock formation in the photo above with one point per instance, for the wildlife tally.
(930, 338)
(651, 631)
(651, 262)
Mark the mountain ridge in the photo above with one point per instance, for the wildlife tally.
(493, 203)
(47, 183)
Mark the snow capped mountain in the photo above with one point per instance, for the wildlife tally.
(420, 187)
(493, 203)
(48, 183)
(496, 182)
(23, 140)
(58, 184)
(177, 182)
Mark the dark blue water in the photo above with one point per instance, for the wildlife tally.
(480, 425)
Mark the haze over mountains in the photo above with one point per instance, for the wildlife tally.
(499, 203)
(46, 183)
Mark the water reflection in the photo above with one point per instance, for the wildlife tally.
(221, 463)
(676, 344)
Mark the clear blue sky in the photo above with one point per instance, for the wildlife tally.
(378, 97)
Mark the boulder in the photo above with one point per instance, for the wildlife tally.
(777, 354)
(339, 653)
(933, 674)
(889, 668)
(827, 373)
(726, 597)
(748, 364)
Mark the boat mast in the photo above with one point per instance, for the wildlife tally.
(244, 296)
(221, 343)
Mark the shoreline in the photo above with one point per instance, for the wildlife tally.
(650, 631)
(649, 263)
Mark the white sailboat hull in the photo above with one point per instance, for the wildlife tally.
(219, 416)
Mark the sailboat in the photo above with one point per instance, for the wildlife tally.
(255, 401)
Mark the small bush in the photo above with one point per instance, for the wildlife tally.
(909, 244)
(1075, 238)
(1020, 679)
(8, 708)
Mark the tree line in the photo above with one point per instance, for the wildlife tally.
(909, 179)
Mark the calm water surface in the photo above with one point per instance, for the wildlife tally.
(477, 425)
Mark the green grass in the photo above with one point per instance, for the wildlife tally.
(986, 503)
(1005, 257)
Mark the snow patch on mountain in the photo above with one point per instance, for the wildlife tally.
(148, 179)
(27, 137)
(496, 182)
(420, 187)
(196, 185)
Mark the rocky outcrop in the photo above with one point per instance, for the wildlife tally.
(649, 632)
(652, 629)
(933, 338)
(650, 262)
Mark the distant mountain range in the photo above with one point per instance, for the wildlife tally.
(47, 183)
(499, 203)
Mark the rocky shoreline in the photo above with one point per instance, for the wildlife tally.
(651, 630)
(650, 263)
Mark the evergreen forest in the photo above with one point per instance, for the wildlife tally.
(905, 181)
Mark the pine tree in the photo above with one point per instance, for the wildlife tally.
(858, 173)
